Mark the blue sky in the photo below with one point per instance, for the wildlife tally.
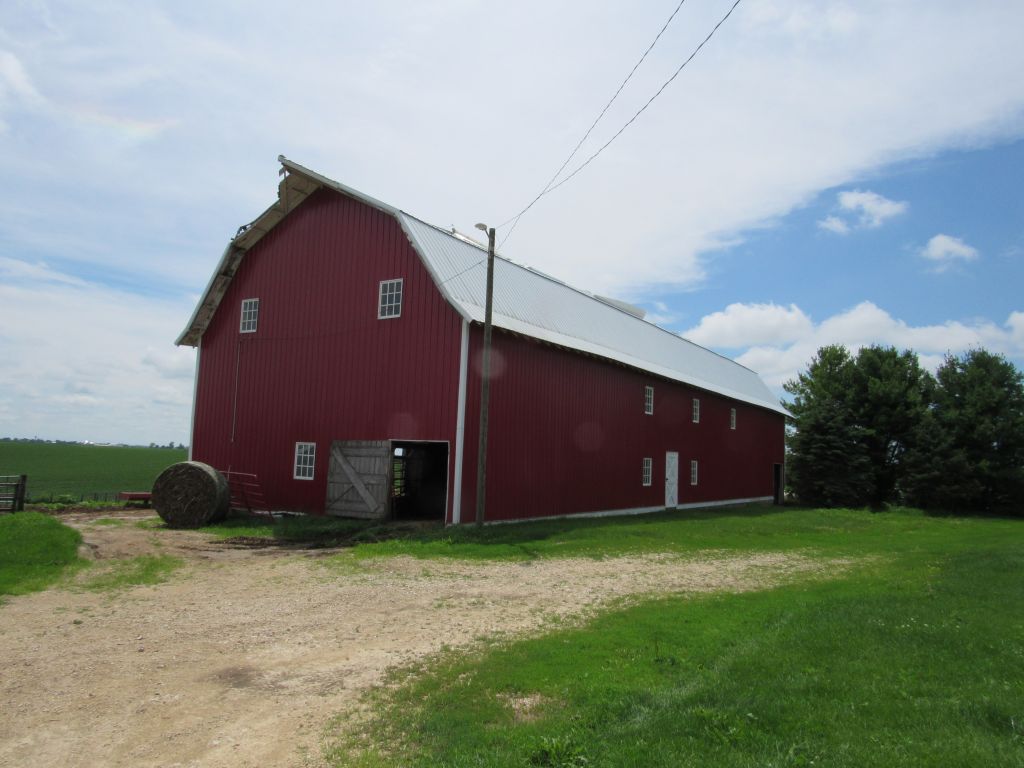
(823, 172)
(972, 195)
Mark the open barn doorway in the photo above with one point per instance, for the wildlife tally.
(419, 480)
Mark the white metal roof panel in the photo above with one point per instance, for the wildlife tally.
(534, 304)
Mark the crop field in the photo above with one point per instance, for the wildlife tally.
(84, 471)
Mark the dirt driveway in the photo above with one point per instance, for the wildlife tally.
(243, 657)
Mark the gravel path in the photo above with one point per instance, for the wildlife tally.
(243, 657)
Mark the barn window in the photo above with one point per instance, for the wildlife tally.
(648, 465)
(696, 410)
(390, 299)
(648, 400)
(732, 418)
(305, 458)
(250, 313)
(693, 472)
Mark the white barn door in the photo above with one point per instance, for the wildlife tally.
(671, 479)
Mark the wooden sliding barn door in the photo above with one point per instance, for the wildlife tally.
(359, 479)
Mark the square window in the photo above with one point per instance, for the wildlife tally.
(693, 472)
(696, 410)
(648, 465)
(648, 400)
(390, 299)
(250, 314)
(305, 459)
(732, 418)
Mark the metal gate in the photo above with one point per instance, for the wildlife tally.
(359, 479)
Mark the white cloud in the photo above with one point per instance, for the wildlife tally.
(16, 269)
(741, 325)
(835, 90)
(870, 208)
(14, 80)
(835, 224)
(84, 361)
(945, 251)
(798, 338)
(1016, 323)
(662, 314)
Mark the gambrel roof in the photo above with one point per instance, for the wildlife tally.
(526, 301)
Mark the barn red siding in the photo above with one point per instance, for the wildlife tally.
(568, 435)
(321, 366)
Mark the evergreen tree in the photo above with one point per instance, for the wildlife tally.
(970, 452)
(889, 397)
(854, 419)
(827, 462)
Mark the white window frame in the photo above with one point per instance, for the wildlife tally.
(648, 471)
(649, 400)
(732, 418)
(250, 316)
(696, 410)
(304, 465)
(693, 471)
(387, 307)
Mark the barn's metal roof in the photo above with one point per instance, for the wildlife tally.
(533, 304)
(526, 301)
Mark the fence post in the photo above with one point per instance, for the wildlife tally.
(19, 494)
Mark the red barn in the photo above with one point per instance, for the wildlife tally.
(338, 347)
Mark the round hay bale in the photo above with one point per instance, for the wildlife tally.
(191, 494)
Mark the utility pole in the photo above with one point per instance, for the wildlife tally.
(485, 382)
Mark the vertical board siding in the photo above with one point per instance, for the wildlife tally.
(320, 366)
(568, 434)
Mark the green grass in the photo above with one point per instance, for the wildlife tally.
(113, 575)
(759, 527)
(35, 552)
(914, 658)
(318, 530)
(84, 470)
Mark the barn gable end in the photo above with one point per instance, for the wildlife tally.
(321, 365)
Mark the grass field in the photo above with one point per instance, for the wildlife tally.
(914, 656)
(35, 551)
(84, 471)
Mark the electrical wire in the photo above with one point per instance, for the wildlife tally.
(626, 125)
(460, 273)
(515, 219)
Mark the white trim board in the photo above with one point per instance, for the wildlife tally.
(460, 423)
(639, 510)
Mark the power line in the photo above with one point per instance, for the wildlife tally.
(628, 123)
(515, 219)
(463, 271)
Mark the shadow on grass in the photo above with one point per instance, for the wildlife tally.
(326, 531)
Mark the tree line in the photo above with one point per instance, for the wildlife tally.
(876, 428)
